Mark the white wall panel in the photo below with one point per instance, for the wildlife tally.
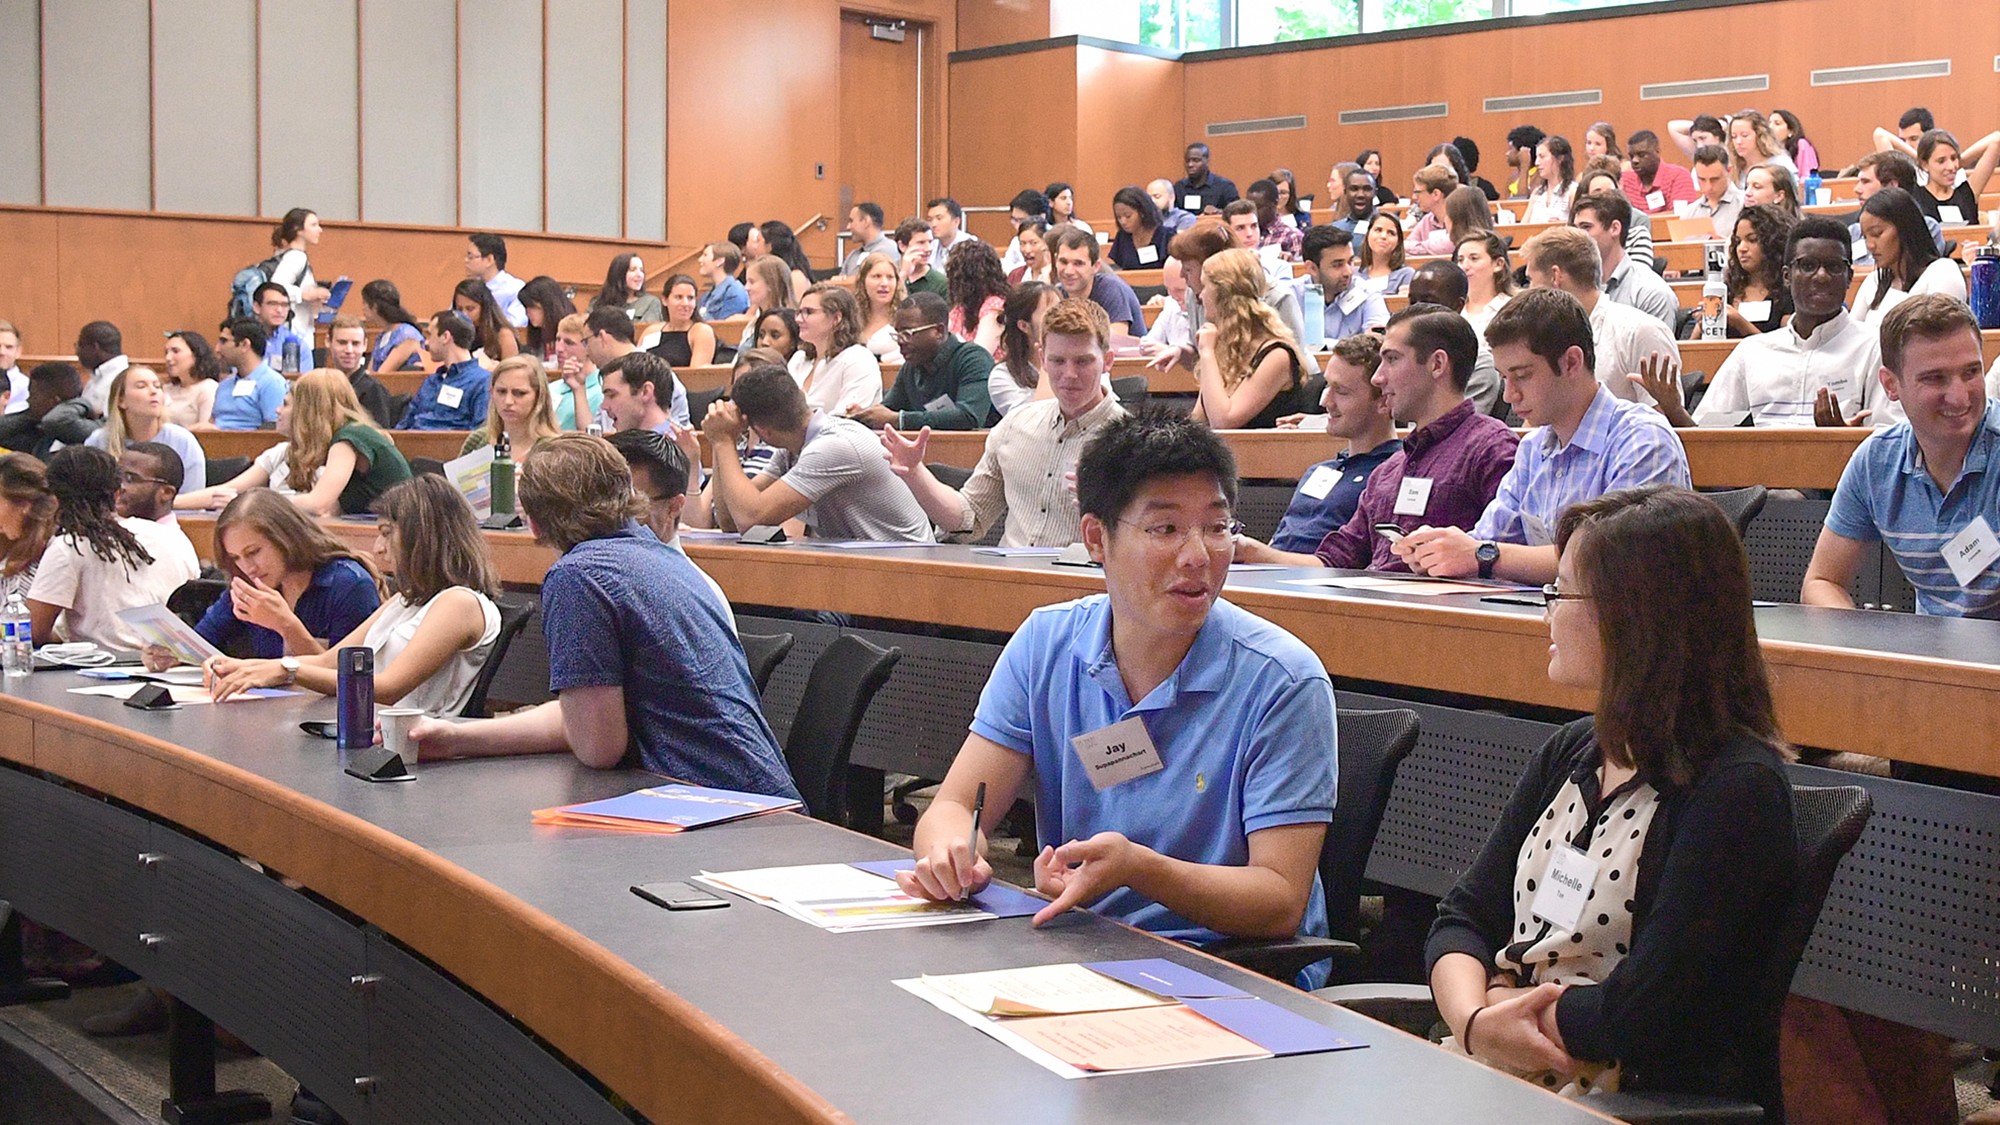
(205, 106)
(586, 116)
(409, 112)
(500, 122)
(21, 94)
(98, 139)
(311, 149)
(646, 119)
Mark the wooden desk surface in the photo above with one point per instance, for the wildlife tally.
(439, 445)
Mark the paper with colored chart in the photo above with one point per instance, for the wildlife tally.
(159, 625)
(840, 898)
(472, 475)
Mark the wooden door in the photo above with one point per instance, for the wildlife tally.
(881, 118)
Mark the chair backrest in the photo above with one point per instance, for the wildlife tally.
(422, 465)
(951, 476)
(844, 680)
(514, 617)
(1372, 745)
(193, 598)
(766, 652)
(1130, 390)
(222, 470)
(700, 401)
(1827, 821)
(1741, 505)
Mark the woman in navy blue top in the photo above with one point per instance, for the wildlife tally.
(293, 589)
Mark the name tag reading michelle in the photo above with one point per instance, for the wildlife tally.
(1754, 311)
(1971, 551)
(450, 397)
(1319, 482)
(1949, 216)
(1655, 200)
(1148, 255)
(1565, 887)
(941, 402)
(244, 388)
(1414, 496)
(1116, 754)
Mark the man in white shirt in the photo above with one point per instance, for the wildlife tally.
(100, 350)
(486, 260)
(1031, 453)
(111, 562)
(947, 220)
(1604, 217)
(1720, 198)
(1626, 339)
(10, 365)
(864, 229)
(1170, 329)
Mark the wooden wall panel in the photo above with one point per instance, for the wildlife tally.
(1016, 120)
(990, 23)
(21, 93)
(27, 283)
(1116, 149)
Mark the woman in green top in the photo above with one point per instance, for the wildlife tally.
(334, 451)
(625, 288)
(519, 400)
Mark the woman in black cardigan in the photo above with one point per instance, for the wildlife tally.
(1614, 932)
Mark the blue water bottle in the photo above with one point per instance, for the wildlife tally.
(1812, 187)
(1986, 286)
(354, 694)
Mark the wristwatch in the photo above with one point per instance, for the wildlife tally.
(291, 666)
(1487, 554)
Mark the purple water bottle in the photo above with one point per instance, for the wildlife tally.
(1986, 287)
(355, 696)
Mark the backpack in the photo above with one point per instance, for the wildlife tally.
(243, 287)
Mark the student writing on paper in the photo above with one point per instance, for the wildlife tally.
(1183, 749)
(644, 665)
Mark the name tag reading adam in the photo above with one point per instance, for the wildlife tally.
(450, 397)
(1116, 754)
(1971, 551)
(1565, 887)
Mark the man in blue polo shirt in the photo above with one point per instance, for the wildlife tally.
(1075, 252)
(646, 669)
(1927, 486)
(1183, 749)
(249, 398)
(1356, 411)
(454, 396)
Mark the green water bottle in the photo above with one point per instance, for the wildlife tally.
(502, 476)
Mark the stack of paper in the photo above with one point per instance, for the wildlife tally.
(845, 898)
(665, 808)
(1122, 1016)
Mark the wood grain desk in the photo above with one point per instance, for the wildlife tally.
(439, 445)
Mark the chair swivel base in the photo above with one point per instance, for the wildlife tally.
(226, 1108)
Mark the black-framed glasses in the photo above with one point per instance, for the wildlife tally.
(126, 476)
(904, 336)
(1832, 267)
(1551, 594)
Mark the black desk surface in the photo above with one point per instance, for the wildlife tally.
(819, 1005)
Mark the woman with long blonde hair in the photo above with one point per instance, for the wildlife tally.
(334, 452)
(1751, 143)
(1250, 371)
(139, 413)
(521, 403)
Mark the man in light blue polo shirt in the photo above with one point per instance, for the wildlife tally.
(249, 398)
(1349, 310)
(1183, 749)
(1923, 486)
(1586, 443)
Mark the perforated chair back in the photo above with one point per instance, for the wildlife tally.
(844, 681)
(1827, 821)
(515, 613)
(421, 465)
(766, 652)
(1741, 505)
(1372, 745)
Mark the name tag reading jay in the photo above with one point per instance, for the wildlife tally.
(1116, 754)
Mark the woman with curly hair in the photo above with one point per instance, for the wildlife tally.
(976, 286)
(832, 366)
(96, 563)
(1751, 143)
(190, 374)
(1250, 372)
(1755, 273)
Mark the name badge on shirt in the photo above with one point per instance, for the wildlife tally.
(450, 397)
(1949, 215)
(1655, 200)
(941, 402)
(1537, 530)
(1116, 754)
(1565, 888)
(1319, 482)
(1754, 311)
(1191, 203)
(1859, 250)
(1148, 255)
(1971, 551)
(1414, 496)
(244, 388)
(1351, 300)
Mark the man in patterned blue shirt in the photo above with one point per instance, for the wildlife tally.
(1925, 486)
(1585, 443)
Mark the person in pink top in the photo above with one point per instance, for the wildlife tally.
(1432, 234)
(1651, 186)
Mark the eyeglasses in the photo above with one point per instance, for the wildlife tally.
(904, 336)
(1216, 535)
(1832, 267)
(1551, 594)
(129, 477)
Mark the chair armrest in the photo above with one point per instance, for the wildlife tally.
(1408, 1006)
(1284, 958)
(1680, 1109)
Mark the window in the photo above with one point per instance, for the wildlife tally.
(1203, 25)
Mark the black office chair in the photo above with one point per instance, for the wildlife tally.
(1826, 822)
(514, 616)
(194, 597)
(421, 465)
(844, 681)
(1130, 390)
(1741, 505)
(1372, 746)
(222, 470)
(951, 476)
(398, 404)
(765, 653)
(699, 402)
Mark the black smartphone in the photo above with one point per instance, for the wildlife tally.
(321, 728)
(1533, 601)
(1389, 531)
(679, 896)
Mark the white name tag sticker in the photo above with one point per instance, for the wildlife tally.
(1116, 754)
(1971, 551)
(1950, 216)
(244, 388)
(450, 397)
(1319, 482)
(941, 402)
(1414, 496)
(1537, 530)
(1191, 203)
(1565, 888)
(1148, 255)
(1859, 250)
(1754, 311)
(1655, 200)
(1351, 299)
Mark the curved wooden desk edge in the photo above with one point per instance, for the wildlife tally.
(662, 1054)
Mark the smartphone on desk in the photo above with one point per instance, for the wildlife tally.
(679, 896)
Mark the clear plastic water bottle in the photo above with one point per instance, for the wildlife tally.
(1312, 309)
(1985, 289)
(289, 361)
(17, 637)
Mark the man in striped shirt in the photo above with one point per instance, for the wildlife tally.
(1928, 486)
